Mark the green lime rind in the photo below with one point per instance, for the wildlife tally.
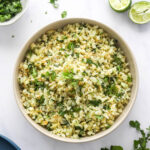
(140, 12)
(120, 6)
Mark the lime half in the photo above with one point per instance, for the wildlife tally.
(140, 12)
(120, 5)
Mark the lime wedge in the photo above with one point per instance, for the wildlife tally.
(120, 5)
(140, 12)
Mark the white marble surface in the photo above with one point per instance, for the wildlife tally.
(12, 122)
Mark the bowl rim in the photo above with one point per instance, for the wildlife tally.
(122, 116)
(17, 16)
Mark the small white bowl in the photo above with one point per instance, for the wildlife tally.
(15, 18)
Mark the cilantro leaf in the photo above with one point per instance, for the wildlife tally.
(53, 2)
(63, 14)
(135, 124)
(116, 148)
(95, 102)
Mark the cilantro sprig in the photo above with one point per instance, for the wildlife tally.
(141, 143)
(138, 144)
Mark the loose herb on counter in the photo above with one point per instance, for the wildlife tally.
(138, 144)
(63, 14)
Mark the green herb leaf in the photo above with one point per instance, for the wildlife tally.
(106, 107)
(90, 62)
(38, 84)
(53, 75)
(117, 61)
(76, 109)
(109, 86)
(116, 148)
(34, 73)
(64, 14)
(95, 102)
(53, 2)
(68, 74)
(71, 45)
(139, 144)
(135, 124)
(99, 117)
(32, 70)
(41, 100)
(129, 79)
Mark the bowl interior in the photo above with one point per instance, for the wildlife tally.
(15, 18)
(130, 59)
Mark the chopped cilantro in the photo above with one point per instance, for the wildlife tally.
(71, 45)
(129, 79)
(109, 86)
(99, 117)
(106, 107)
(34, 73)
(38, 84)
(95, 102)
(53, 75)
(32, 70)
(78, 128)
(84, 73)
(68, 74)
(117, 61)
(62, 112)
(90, 62)
(76, 109)
(41, 100)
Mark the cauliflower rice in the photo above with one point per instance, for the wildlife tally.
(75, 81)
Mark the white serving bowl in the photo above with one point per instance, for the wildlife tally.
(130, 59)
(15, 18)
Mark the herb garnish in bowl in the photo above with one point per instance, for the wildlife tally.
(9, 9)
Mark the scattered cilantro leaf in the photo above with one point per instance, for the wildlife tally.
(138, 144)
(135, 124)
(63, 14)
(53, 2)
(116, 148)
